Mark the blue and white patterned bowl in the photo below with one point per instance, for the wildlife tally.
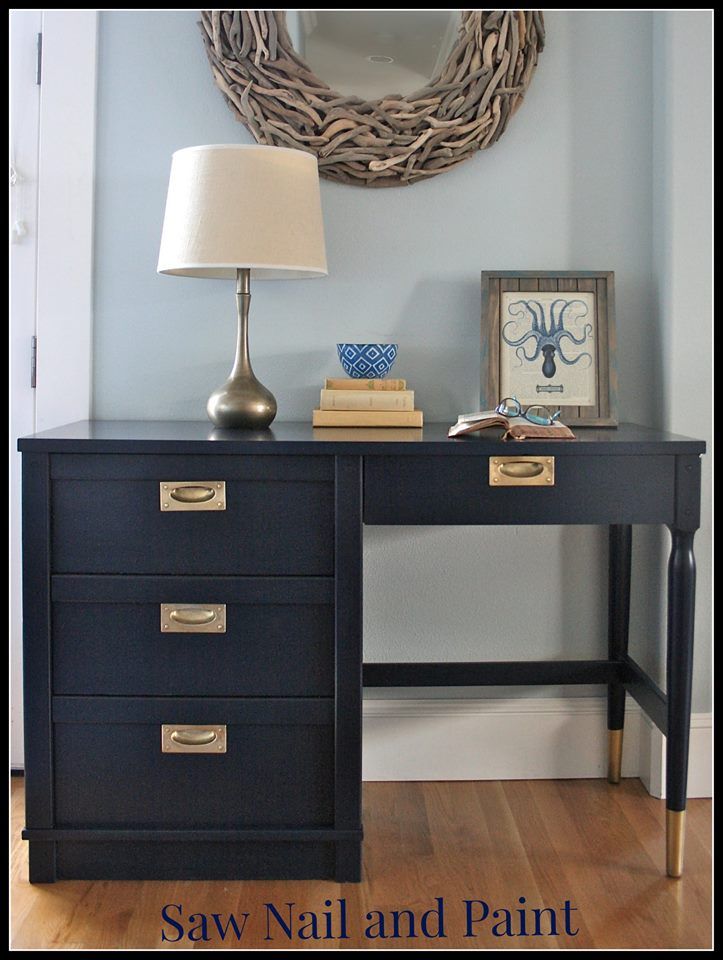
(371, 361)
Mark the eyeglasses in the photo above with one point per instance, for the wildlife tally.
(537, 413)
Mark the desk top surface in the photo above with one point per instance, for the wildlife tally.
(185, 436)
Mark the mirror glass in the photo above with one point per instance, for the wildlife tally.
(374, 53)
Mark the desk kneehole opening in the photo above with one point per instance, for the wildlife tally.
(522, 471)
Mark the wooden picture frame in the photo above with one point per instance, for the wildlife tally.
(545, 348)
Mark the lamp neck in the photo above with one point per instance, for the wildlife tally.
(243, 280)
(242, 363)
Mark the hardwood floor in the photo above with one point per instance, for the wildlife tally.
(515, 846)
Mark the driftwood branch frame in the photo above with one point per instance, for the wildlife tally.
(397, 140)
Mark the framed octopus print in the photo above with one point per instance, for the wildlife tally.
(549, 338)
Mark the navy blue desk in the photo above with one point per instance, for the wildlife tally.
(283, 556)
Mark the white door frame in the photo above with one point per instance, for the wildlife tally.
(24, 120)
(65, 216)
(53, 153)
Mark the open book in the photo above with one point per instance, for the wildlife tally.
(516, 428)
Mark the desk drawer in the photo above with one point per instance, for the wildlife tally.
(108, 516)
(276, 771)
(268, 648)
(457, 490)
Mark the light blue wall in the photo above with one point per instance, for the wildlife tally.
(567, 187)
(682, 258)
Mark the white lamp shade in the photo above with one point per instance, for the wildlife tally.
(237, 205)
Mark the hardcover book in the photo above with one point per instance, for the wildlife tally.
(367, 418)
(515, 428)
(340, 383)
(367, 400)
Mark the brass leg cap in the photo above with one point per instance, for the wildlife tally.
(615, 755)
(674, 836)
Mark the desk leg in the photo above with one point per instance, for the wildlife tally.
(679, 672)
(348, 661)
(620, 542)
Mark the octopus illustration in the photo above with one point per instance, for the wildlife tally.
(547, 334)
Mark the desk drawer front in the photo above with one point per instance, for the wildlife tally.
(108, 516)
(110, 771)
(267, 650)
(457, 490)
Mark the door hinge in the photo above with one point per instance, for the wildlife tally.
(39, 60)
(33, 361)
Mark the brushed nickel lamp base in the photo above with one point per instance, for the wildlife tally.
(242, 402)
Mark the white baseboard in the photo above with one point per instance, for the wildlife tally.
(518, 739)
(700, 761)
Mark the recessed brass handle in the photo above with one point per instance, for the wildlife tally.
(522, 471)
(192, 738)
(521, 468)
(193, 617)
(193, 495)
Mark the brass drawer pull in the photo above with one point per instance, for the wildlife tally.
(522, 471)
(191, 738)
(193, 618)
(193, 495)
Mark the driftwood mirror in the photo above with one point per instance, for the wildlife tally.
(382, 97)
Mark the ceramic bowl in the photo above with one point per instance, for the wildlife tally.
(371, 361)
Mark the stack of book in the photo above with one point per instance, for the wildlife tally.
(366, 403)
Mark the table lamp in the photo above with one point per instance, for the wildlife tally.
(241, 211)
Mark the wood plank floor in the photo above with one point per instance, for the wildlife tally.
(598, 847)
